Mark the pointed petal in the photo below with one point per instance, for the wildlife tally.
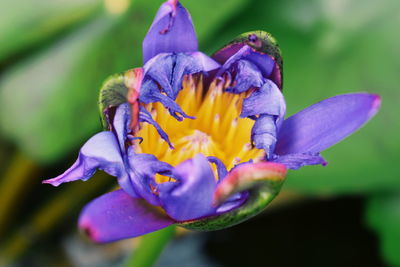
(150, 93)
(326, 123)
(145, 116)
(99, 152)
(191, 196)
(144, 167)
(172, 31)
(121, 123)
(117, 215)
(296, 161)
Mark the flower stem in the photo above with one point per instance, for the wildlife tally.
(50, 215)
(150, 248)
(14, 183)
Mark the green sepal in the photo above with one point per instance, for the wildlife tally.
(112, 93)
(118, 89)
(263, 182)
(268, 45)
(264, 43)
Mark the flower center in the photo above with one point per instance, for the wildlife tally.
(216, 131)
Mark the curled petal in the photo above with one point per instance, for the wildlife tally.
(221, 169)
(296, 161)
(247, 76)
(167, 70)
(233, 202)
(172, 31)
(143, 169)
(263, 133)
(262, 43)
(99, 152)
(267, 106)
(249, 67)
(326, 123)
(145, 116)
(117, 215)
(264, 62)
(190, 197)
(263, 182)
(121, 123)
(266, 100)
(150, 94)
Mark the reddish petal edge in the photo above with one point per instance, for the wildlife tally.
(247, 176)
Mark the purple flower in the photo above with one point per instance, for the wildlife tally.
(198, 141)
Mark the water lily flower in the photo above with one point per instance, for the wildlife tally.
(201, 141)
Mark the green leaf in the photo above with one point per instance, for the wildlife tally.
(383, 216)
(24, 23)
(48, 103)
(45, 101)
(150, 247)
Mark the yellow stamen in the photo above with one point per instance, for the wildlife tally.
(217, 130)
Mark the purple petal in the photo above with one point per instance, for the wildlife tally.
(263, 61)
(191, 196)
(150, 93)
(167, 70)
(145, 116)
(222, 55)
(99, 152)
(296, 161)
(206, 62)
(121, 122)
(263, 133)
(246, 73)
(247, 76)
(117, 215)
(164, 74)
(326, 123)
(267, 106)
(171, 32)
(144, 167)
(266, 100)
(221, 169)
(233, 202)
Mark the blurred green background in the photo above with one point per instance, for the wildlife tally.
(54, 55)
